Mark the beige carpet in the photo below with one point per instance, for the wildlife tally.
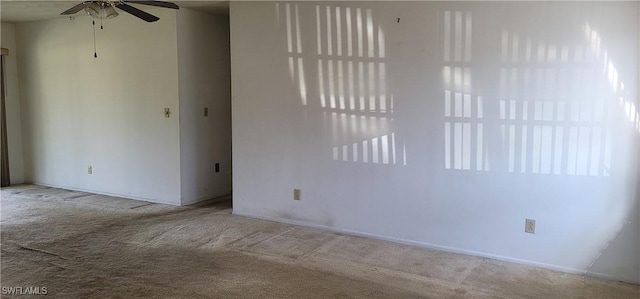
(81, 245)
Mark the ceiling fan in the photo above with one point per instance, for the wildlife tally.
(104, 9)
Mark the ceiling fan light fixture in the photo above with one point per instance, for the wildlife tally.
(101, 10)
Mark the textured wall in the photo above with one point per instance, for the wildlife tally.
(444, 125)
(106, 112)
(204, 82)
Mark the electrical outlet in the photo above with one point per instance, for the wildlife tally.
(206, 111)
(296, 194)
(530, 226)
(90, 169)
(217, 167)
(167, 112)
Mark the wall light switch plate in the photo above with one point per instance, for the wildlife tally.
(530, 226)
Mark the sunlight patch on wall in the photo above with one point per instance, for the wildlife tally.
(294, 47)
(349, 63)
(553, 111)
(465, 145)
(351, 79)
(615, 82)
(553, 106)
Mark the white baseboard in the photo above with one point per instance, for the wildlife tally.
(445, 248)
(103, 193)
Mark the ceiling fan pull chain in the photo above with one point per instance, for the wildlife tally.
(101, 24)
(95, 53)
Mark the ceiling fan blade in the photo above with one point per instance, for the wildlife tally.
(76, 8)
(155, 3)
(136, 12)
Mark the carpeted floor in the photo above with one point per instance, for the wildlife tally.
(82, 245)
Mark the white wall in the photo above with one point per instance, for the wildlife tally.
(12, 104)
(463, 120)
(105, 112)
(204, 82)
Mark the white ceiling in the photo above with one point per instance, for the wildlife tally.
(14, 11)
